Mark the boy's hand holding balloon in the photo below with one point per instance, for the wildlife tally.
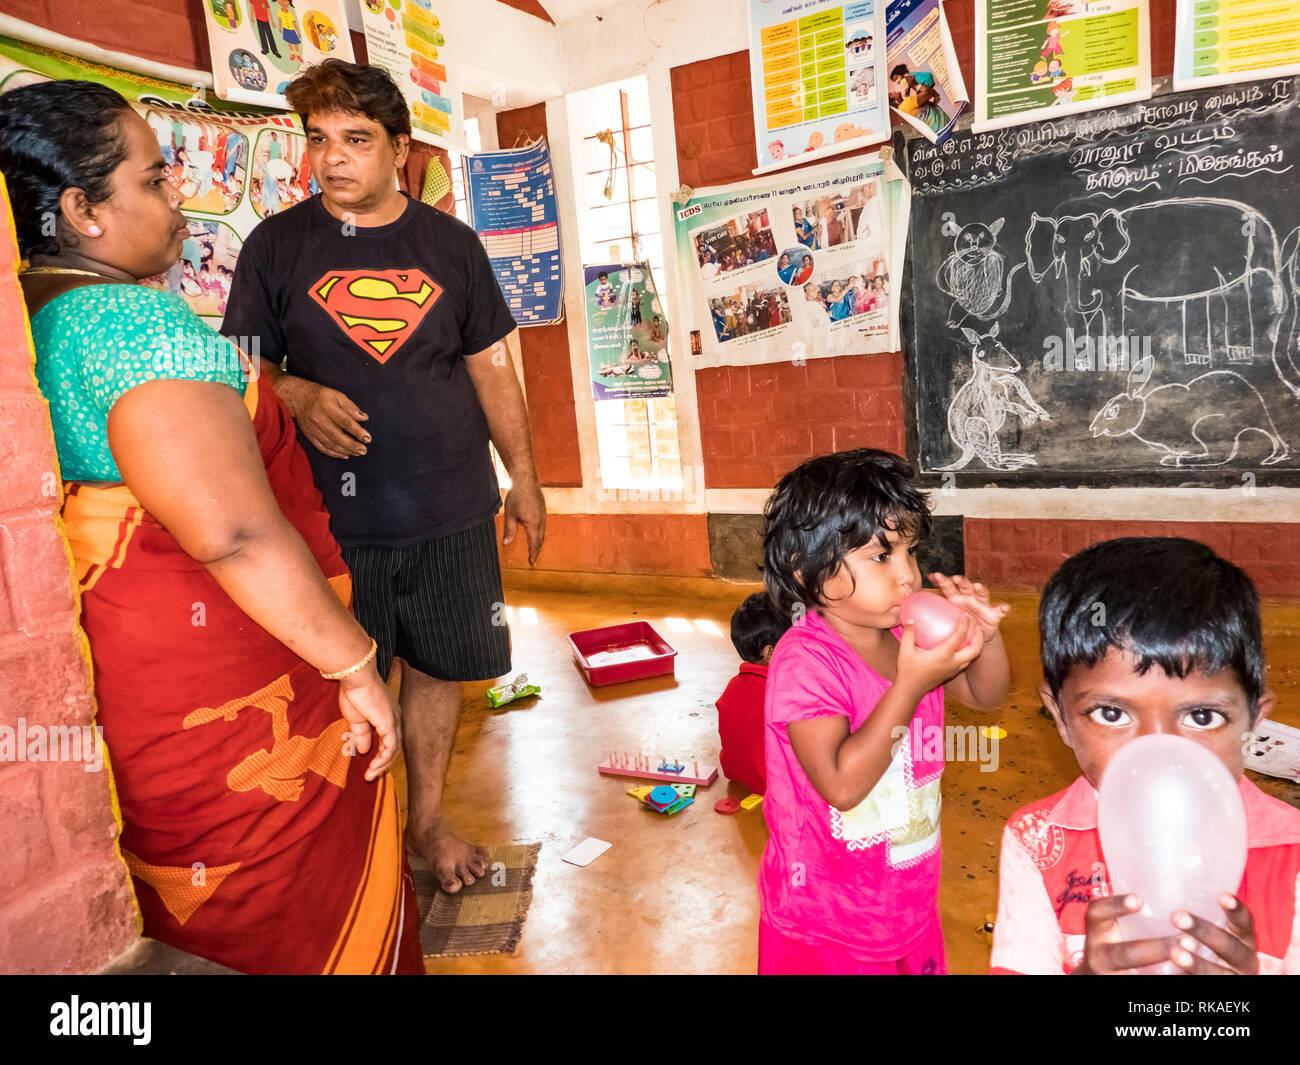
(1107, 952)
(1234, 946)
(1105, 949)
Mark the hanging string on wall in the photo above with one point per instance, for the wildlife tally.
(606, 136)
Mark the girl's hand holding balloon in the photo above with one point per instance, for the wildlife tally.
(973, 597)
(926, 666)
(1234, 947)
(1106, 951)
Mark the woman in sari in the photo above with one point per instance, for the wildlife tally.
(236, 692)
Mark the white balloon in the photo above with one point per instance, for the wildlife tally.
(1173, 830)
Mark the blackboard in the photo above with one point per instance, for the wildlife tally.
(1112, 298)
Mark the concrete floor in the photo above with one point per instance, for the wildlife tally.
(678, 895)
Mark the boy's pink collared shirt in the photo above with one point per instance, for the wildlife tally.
(1051, 868)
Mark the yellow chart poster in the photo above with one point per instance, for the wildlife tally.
(1218, 42)
(416, 42)
(817, 70)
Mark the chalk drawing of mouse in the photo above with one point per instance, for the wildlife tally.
(972, 274)
(980, 407)
(1188, 421)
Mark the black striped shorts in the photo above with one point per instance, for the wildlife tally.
(437, 605)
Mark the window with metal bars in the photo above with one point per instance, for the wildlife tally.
(618, 221)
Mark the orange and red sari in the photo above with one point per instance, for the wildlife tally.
(253, 839)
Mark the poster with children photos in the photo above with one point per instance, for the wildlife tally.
(233, 167)
(258, 46)
(786, 269)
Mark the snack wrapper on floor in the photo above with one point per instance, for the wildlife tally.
(518, 688)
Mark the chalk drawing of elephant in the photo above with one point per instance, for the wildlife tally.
(1216, 265)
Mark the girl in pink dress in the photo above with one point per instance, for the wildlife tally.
(853, 722)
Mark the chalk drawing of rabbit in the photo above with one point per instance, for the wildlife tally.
(1194, 424)
(980, 407)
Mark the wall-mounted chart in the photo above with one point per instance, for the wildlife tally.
(512, 206)
(817, 70)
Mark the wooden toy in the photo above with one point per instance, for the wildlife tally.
(685, 791)
(642, 767)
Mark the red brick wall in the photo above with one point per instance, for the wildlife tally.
(545, 349)
(167, 31)
(757, 422)
(668, 545)
(1024, 553)
(65, 904)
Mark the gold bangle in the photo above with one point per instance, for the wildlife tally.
(374, 650)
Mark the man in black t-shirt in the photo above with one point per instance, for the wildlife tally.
(398, 374)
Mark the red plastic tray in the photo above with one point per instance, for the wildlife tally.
(617, 653)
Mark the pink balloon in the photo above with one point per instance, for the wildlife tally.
(1173, 830)
(935, 617)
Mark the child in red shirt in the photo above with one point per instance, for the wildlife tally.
(1176, 649)
(755, 628)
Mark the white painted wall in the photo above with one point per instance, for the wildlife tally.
(639, 37)
(509, 58)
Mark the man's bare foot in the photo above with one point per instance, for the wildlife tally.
(456, 863)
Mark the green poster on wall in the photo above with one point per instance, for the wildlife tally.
(1041, 59)
(627, 334)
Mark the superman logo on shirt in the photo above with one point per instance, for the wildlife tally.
(378, 310)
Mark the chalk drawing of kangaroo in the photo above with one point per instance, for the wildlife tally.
(980, 407)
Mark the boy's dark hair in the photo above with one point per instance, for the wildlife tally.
(756, 625)
(829, 506)
(336, 85)
(602, 274)
(899, 70)
(1171, 602)
(58, 135)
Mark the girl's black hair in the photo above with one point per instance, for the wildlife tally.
(57, 135)
(756, 625)
(1170, 602)
(829, 506)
